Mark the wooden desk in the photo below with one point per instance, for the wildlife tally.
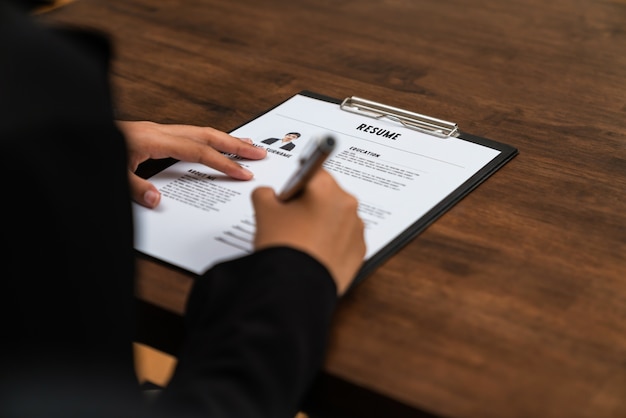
(513, 304)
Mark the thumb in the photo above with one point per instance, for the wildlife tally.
(263, 194)
(143, 192)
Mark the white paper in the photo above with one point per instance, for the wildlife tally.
(205, 217)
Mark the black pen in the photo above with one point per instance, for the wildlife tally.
(311, 160)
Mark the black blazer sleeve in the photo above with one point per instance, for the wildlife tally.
(257, 332)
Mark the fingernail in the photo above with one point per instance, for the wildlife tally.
(248, 140)
(248, 172)
(152, 198)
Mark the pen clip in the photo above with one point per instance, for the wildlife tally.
(411, 120)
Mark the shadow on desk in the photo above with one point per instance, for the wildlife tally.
(160, 333)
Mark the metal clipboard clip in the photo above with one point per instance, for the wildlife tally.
(411, 120)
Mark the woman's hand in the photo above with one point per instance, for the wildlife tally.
(322, 222)
(146, 140)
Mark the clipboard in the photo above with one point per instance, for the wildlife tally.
(426, 128)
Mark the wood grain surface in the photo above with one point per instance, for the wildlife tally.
(513, 304)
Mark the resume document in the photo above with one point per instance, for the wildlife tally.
(400, 176)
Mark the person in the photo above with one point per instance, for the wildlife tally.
(256, 326)
(286, 142)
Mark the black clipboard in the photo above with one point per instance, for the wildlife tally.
(432, 126)
(407, 119)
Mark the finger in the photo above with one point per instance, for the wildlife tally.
(199, 152)
(217, 139)
(202, 145)
(264, 196)
(143, 192)
(195, 152)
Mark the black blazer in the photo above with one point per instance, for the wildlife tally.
(256, 326)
